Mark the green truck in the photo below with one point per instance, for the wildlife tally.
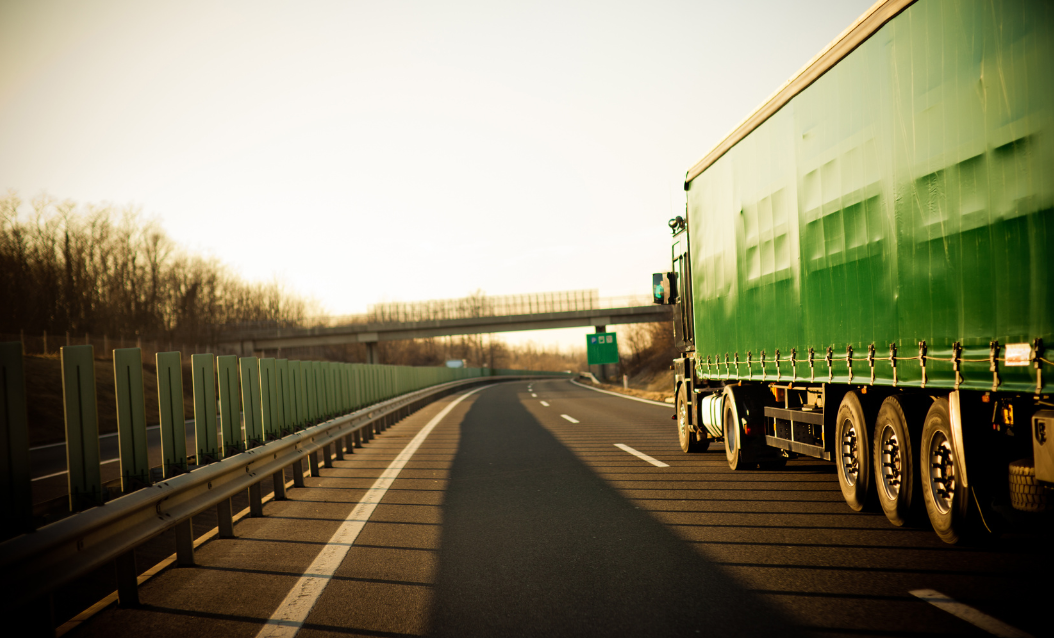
(864, 270)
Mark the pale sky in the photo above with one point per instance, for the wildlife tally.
(371, 151)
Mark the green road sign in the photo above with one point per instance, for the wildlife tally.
(601, 348)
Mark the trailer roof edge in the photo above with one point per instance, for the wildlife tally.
(847, 41)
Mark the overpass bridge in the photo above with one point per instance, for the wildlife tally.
(441, 318)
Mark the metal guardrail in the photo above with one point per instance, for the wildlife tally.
(37, 563)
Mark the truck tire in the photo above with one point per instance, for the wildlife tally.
(853, 452)
(947, 501)
(895, 464)
(734, 452)
(1026, 494)
(685, 433)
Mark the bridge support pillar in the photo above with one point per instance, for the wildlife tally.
(371, 352)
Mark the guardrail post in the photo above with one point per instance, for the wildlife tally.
(225, 516)
(356, 436)
(204, 381)
(255, 501)
(131, 419)
(16, 498)
(338, 448)
(230, 405)
(279, 485)
(327, 458)
(312, 460)
(298, 473)
(185, 542)
(40, 617)
(173, 419)
(82, 426)
(127, 579)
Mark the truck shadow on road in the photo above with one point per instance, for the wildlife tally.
(535, 543)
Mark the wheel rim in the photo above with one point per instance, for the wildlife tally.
(892, 464)
(850, 464)
(942, 472)
(730, 434)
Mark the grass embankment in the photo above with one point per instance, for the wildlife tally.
(44, 397)
(652, 380)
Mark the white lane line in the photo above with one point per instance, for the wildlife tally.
(641, 455)
(545, 403)
(969, 614)
(534, 395)
(624, 396)
(41, 478)
(292, 612)
(572, 420)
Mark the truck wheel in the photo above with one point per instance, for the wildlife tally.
(733, 441)
(853, 454)
(685, 433)
(947, 502)
(895, 463)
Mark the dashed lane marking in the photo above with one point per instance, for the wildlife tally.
(534, 395)
(545, 403)
(969, 614)
(641, 455)
(571, 419)
(293, 611)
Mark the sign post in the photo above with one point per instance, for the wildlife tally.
(601, 349)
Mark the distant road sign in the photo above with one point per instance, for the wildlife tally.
(601, 348)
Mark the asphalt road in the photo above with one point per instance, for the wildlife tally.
(48, 462)
(518, 518)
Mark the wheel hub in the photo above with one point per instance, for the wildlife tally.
(942, 472)
(892, 466)
(850, 460)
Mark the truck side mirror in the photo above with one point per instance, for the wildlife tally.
(664, 288)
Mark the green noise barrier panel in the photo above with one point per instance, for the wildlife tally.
(82, 426)
(131, 418)
(173, 417)
(297, 407)
(16, 501)
(251, 406)
(281, 368)
(230, 405)
(311, 392)
(206, 438)
(270, 416)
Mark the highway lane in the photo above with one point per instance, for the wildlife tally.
(48, 462)
(512, 520)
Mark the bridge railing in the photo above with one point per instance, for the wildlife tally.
(253, 419)
(438, 310)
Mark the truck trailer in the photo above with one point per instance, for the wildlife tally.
(864, 270)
